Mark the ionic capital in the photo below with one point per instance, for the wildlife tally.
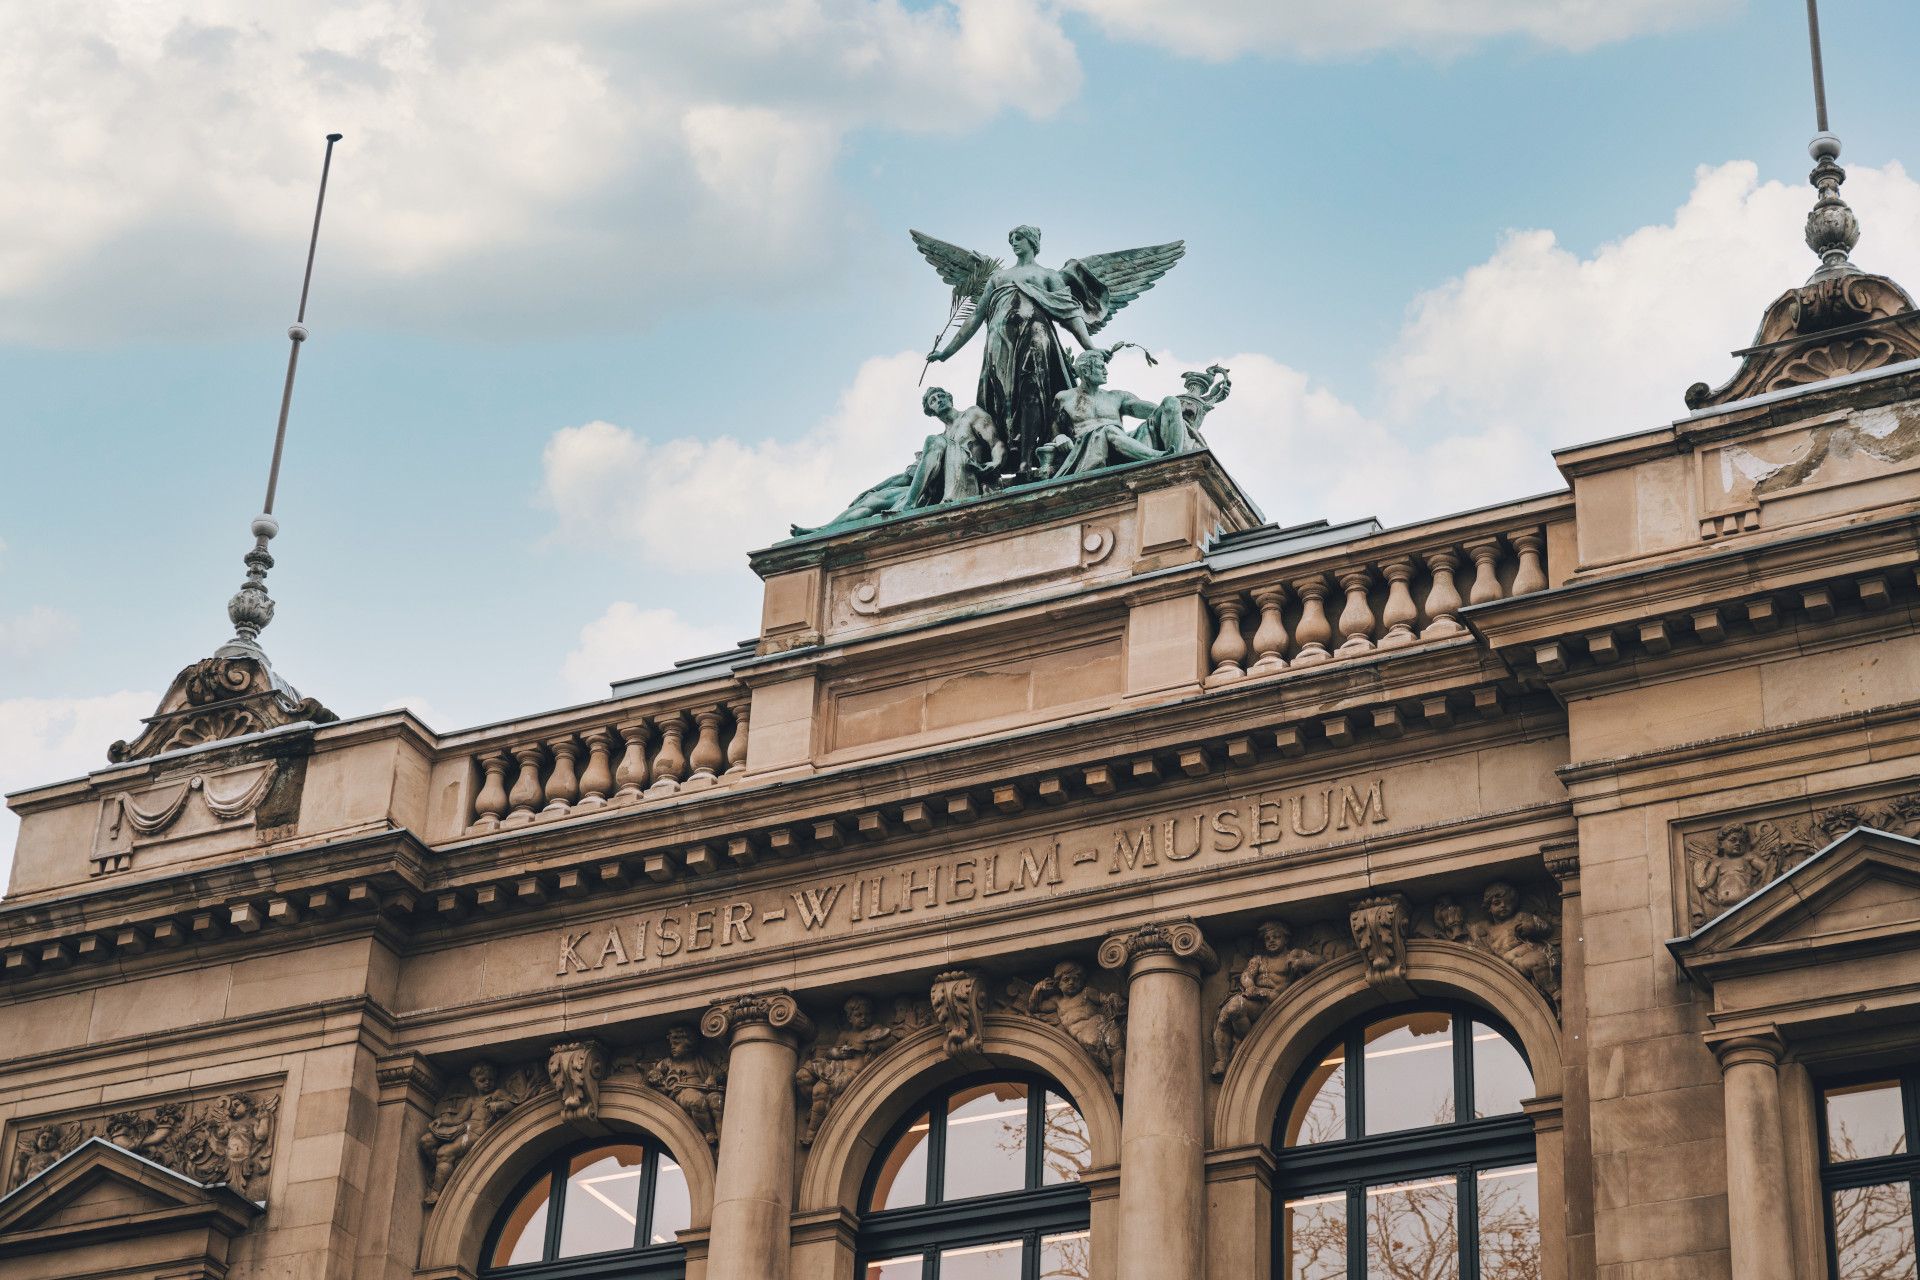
(1756, 1048)
(775, 1010)
(1177, 940)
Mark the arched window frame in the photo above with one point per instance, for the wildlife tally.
(1029, 1214)
(1463, 1147)
(642, 1262)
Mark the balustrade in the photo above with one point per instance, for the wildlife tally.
(623, 762)
(1366, 604)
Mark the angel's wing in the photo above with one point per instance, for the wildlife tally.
(964, 269)
(1128, 273)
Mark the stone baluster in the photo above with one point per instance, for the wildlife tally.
(1757, 1200)
(753, 1181)
(1270, 637)
(670, 761)
(1314, 632)
(597, 781)
(1163, 1127)
(1229, 649)
(1486, 565)
(1532, 574)
(1356, 619)
(527, 791)
(631, 777)
(707, 755)
(563, 782)
(737, 744)
(490, 805)
(1443, 597)
(1400, 612)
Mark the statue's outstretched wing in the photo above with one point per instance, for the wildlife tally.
(1127, 273)
(964, 269)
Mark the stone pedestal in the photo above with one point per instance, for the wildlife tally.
(1163, 1125)
(753, 1182)
(1761, 1236)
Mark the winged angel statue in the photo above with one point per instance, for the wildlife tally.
(1025, 366)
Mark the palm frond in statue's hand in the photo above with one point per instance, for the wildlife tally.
(964, 269)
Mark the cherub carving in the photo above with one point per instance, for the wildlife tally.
(1094, 1018)
(822, 1078)
(1270, 970)
(1731, 869)
(42, 1149)
(464, 1114)
(241, 1130)
(695, 1084)
(1521, 938)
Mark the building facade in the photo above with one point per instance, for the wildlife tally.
(1090, 880)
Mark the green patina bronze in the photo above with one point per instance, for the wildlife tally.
(1037, 417)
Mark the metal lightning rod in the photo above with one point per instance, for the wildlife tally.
(251, 608)
(1819, 75)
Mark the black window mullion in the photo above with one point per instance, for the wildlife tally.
(1356, 1095)
(1036, 1134)
(1463, 1101)
(556, 1199)
(1466, 1214)
(937, 1147)
(1356, 1232)
(643, 1220)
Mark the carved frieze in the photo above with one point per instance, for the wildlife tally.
(1275, 963)
(1096, 1019)
(1725, 865)
(838, 1058)
(226, 1138)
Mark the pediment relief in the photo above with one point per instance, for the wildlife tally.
(1824, 329)
(104, 1186)
(216, 699)
(1860, 892)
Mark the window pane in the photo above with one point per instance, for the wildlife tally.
(1873, 1232)
(902, 1180)
(895, 1269)
(1408, 1072)
(523, 1232)
(672, 1206)
(1064, 1257)
(1510, 1223)
(1316, 1237)
(982, 1262)
(1864, 1120)
(602, 1207)
(1500, 1076)
(1413, 1230)
(1320, 1112)
(1067, 1150)
(986, 1142)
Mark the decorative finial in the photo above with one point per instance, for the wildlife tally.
(1832, 228)
(251, 608)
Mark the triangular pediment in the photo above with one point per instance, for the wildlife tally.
(99, 1185)
(1861, 891)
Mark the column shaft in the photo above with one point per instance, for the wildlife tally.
(753, 1184)
(1762, 1242)
(1162, 1129)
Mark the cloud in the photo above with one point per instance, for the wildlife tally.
(628, 641)
(1224, 29)
(502, 160)
(45, 740)
(694, 503)
(30, 634)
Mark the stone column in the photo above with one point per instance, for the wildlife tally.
(1163, 1125)
(389, 1234)
(1757, 1211)
(753, 1183)
(1575, 1172)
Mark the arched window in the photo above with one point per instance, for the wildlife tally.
(981, 1182)
(608, 1208)
(1403, 1152)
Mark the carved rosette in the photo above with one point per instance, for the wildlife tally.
(777, 1010)
(227, 1139)
(958, 998)
(576, 1069)
(1180, 938)
(1379, 927)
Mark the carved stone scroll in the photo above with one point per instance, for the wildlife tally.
(1180, 938)
(958, 998)
(576, 1069)
(777, 1010)
(1379, 926)
(216, 699)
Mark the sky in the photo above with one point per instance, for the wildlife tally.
(610, 293)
